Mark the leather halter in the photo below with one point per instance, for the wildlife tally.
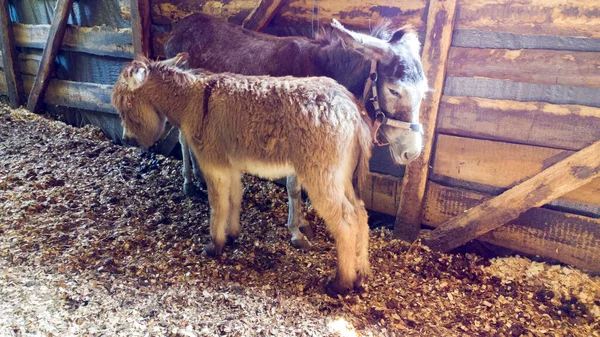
(380, 117)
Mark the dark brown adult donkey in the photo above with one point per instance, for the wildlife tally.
(386, 62)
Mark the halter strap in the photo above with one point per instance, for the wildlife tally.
(380, 117)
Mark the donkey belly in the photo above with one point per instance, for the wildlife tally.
(265, 169)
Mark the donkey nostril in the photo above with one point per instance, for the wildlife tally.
(409, 156)
(404, 156)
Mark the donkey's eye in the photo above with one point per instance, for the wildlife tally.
(395, 93)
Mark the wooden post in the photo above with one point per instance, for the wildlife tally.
(440, 25)
(57, 32)
(557, 180)
(262, 15)
(140, 27)
(14, 82)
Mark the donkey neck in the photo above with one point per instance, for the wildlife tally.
(346, 66)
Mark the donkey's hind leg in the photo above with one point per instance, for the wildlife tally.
(218, 183)
(235, 203)
(362, 240)
(298, 226)
(189, 188)
(341, 219)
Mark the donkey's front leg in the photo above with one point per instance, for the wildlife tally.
(298, 226)
(189, 188)
(218, 183)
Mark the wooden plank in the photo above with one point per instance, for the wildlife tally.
(140, 27)
(80, 95)
(381, 193)
(501, 165)
(9, 61)
(556, 67)
(168, 11)
(355, 13)
(555, 181)
(500, 40)
(435, 55)
(57, 31)
(28, 63)
(519, 91)
(99, 40)
(567, 238)
(262, 15)
(569, 127)
(532, 17)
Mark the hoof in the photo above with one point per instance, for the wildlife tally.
(231, 239)
(307, 231)
(335, 288)
(212, 250)
(191, 190)
(359, 283)
(301, 243)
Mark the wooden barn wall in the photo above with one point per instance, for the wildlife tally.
(521, 93)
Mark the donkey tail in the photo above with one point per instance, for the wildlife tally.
(365, 146)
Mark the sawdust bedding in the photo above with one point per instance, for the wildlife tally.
(99, 240)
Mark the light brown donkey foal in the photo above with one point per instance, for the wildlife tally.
(268, 126)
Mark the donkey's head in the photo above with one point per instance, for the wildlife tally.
(400, 82)
(133, 97)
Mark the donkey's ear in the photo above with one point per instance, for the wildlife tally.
(138, 73)
(369, 46)
(408, 36)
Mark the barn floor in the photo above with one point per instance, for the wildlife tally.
(99, 240)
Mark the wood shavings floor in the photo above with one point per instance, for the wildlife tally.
(99, 240)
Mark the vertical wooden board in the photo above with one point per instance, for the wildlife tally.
(381, 192)
(559, 67)
(355, 13)
(440, 25)
(564, 237)
(140, 27)
(502, 165)
(10, 62)
(570, 127)
(532, 17)
(563, 177)
(57, 31)
(164, 12)
(262, 15)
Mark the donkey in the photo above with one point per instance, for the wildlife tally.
(312, 128)
(387, 62)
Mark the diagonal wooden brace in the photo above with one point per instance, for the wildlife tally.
(557, 180)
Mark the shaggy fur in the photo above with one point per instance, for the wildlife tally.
(272, 127)
(340, 54)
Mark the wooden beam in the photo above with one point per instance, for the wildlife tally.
(567, 126)
(558, 67)
(490, 166)
(98, 40)
(566, 176)
(262, 15)
(568, 238)
(140, 27)
(9, 58)
(440, 25)
(168, 11)
(57, 31)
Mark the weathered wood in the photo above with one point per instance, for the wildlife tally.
(569, 127)
(381, 193)
(57, 31)
(519, 91)
(355, 13)
(500, 40)
(533, 66)
(9, 60)
(567, 238)
(503, 165)
(28, 63)
(99, 40)
(435, 55)
(555, 181)
(80, 95)
(140, 27)
(532, 17)
(168, 11)
(260, 17)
